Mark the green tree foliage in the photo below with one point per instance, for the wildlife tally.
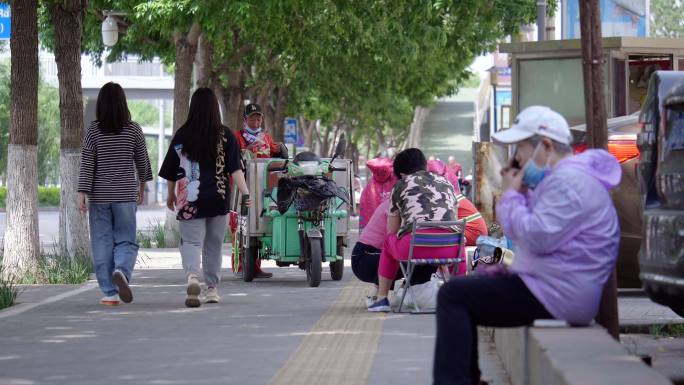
(359, 67)
(144, 113)
(48, 128)
(667, 18)
(48, 134)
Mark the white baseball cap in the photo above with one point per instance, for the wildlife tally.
(536, 120)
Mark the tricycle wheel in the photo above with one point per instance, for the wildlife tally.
(337, 269)
(248, 256)
(314, 263)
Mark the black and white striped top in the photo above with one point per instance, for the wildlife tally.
(113, 165)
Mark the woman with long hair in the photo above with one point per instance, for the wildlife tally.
(203, 154)
(114, 169)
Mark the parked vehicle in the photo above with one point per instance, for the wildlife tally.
(661, 176)
(622, 136)
(301, 216)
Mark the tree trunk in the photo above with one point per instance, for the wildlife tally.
(186, 49)
(205, 52)
(234, 97)
(280, 112)
(21, 243)
(308, 128)
(325, 140)
(352, 149)
(224, 99)
(264, 100)
(330, 145)
(382, 144)
(67, 19)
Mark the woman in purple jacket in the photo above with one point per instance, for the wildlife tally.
(557, 211)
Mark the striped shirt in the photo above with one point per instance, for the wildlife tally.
(113, 165)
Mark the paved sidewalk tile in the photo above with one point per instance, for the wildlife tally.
(638, 312)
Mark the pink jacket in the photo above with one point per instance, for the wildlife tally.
(378, 188)
(375, 232)
(438, 167)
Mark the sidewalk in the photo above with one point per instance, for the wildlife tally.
(246, 339)
(638, 313)
(646, 331)
(275, 331)
(272, 331)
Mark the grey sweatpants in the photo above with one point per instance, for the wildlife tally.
(203, 236)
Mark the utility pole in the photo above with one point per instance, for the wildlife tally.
(541, 20)
(597, 131)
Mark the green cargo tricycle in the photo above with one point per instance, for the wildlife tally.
(300, 214)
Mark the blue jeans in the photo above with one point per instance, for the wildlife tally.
(112, 239)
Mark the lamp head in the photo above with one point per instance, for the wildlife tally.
(110, 31)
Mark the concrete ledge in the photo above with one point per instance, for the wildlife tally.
(569, 356)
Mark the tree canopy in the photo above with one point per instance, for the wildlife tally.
(667, 18)
(359, 67)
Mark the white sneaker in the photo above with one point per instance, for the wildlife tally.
(193, 291)
(110, 300)
(212, 295)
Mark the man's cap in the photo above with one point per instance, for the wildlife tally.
(252, 108)
(536, 120)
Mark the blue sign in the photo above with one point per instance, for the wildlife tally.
(618, 18)
(504, 98)
(5, 21)
(290, 131)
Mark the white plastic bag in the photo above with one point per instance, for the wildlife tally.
(424, 294)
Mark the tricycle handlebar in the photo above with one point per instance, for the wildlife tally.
(283, 167)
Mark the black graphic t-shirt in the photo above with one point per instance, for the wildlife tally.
(201, 188)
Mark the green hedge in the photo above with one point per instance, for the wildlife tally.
(47, 196)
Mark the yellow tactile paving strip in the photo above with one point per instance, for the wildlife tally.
(339, 348)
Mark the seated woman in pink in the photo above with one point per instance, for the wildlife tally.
(365, 257)
(418, 196)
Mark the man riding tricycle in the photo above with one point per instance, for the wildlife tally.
(300, 216)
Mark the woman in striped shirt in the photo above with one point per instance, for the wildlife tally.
(114, 169)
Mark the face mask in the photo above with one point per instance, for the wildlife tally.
(532, 172)
(251, 131)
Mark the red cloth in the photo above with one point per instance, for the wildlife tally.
(474, 228)
(270, 144)
(377, 189)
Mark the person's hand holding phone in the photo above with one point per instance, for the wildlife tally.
(512, 176)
